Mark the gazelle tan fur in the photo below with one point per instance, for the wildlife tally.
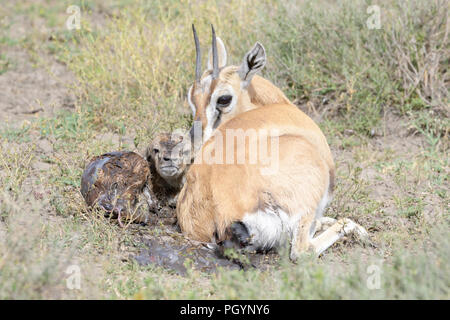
(269, 208)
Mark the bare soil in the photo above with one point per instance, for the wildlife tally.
(29, 91)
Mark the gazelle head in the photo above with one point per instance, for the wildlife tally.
(220, 92)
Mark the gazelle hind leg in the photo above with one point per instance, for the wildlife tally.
(336, 232)
(301, 237)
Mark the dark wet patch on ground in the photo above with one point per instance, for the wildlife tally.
(175, 253)
(177, 257)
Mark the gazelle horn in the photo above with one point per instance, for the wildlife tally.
(215, 73)
(198, 60)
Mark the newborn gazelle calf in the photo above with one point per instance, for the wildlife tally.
(167, 156)
(114, 182)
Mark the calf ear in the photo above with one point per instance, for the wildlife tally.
(148, 153)
(254, 61)
(221, 53)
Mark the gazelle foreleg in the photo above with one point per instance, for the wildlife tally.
(336, 232)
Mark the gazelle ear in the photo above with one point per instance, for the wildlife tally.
(254, 61)
(191, 104)
(221, 53)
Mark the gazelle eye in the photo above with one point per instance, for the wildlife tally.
(224, 101)
(155, 151)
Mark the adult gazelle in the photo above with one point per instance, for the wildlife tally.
(241, 199)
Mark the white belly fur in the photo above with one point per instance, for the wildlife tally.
(271, 228)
